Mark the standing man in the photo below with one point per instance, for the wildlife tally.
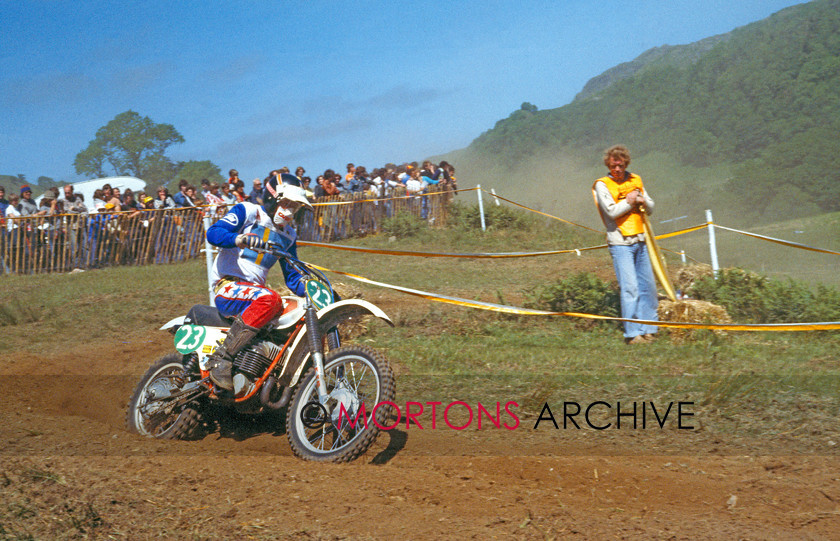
(621, 199)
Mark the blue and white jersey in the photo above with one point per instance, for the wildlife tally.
(244, 263)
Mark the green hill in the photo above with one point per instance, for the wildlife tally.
(745, 123)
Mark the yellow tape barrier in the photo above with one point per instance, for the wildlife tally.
(764, 327)
(656, 260)
(486, 255)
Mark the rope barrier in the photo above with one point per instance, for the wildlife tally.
(497, 196)
(778, 241)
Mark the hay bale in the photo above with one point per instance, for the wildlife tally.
(692, 311)
(687, 275)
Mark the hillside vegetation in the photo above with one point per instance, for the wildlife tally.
(745, 123)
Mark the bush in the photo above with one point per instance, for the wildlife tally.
(495, 217)
(403, 225)
(752, 298)
(582, 292)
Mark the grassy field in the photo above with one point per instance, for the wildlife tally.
(771, 386)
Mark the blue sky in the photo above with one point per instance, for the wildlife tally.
(256, 85)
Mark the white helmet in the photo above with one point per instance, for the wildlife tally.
(289, 199)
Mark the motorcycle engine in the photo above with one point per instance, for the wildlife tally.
(250, 364)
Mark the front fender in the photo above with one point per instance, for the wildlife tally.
(360, 307)
(328, 318)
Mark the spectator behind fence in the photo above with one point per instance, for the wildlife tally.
(447, 180)
(4, 203)
(98, 201)
(27, 206)
(226, 195)
(12, 212)
(255, 196)
(233, 178)
(73, 203)
(164, 200)
(319, 190)
(430, 171)
(304, 183)
(116, 198)
(205, 188)
(213, 197)
(130, 203)
(49, 205)
(180, 197)
(415, 185)
(192, 199)
(239, 192)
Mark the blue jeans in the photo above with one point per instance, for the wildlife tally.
(638, 287)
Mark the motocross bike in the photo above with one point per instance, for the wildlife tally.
(338, 397)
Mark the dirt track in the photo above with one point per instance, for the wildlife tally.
(69, 469)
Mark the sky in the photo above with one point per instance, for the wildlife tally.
(255, 85)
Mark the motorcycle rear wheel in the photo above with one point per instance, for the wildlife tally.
(356, 376)
(152, 420)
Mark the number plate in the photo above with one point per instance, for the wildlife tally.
(188, 338)
(319, 294)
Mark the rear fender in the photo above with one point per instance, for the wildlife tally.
(177, 322)
(328, 318)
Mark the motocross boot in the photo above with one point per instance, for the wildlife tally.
(221, 360)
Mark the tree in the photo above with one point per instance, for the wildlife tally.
(194, 171)
(131, 144)
(91, 160)
(527, 106)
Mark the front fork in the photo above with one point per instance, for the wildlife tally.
(316, 347)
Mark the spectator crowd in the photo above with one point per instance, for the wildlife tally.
(62, 221)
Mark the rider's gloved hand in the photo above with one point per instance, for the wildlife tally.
(250, 241)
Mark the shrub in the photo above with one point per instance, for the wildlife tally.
(403, 224)
(752, 298)
(495, 217)
(582, 292)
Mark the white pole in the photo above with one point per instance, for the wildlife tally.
(496, 199)
(712, 244)
(481, 208)
(682, 256)
(208, 256)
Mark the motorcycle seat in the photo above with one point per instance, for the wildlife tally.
(209, 316)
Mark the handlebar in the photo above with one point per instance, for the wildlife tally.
(300, 266)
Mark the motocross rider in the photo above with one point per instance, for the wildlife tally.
(239, 272)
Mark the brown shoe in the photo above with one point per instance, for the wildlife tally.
(650, 337)
(635, 340)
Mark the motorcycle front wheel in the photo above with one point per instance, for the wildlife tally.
(149, 414)
(359, 382)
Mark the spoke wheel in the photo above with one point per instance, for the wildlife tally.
(150, 416)
(359, 380)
